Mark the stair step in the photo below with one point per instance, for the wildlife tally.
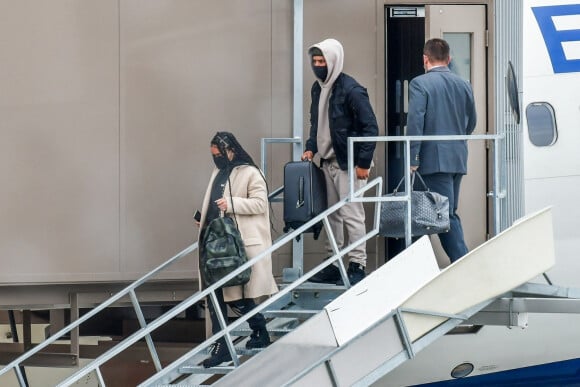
(220, 370)
(272, 331)
(292, 313)
(316, 286)
(197, 369)
(315, 296)
(186, 385)
(248, 352)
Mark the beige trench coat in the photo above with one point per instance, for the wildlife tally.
(249, 199)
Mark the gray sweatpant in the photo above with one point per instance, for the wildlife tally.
(350, 217)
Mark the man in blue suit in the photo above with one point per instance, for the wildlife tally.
(441, 103)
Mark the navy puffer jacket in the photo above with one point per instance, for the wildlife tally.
(350, 115)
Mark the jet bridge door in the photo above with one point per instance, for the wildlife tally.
(464, 27)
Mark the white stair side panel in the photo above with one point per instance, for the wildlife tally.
(496, 267)
(286, 357)
(506, 261)
(382, 291)
(513, 257)
(363, 355)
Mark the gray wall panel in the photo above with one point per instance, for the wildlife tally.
(107, 111)
(59, 201)
(188, 70)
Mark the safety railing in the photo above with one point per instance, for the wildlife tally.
(497, 193)
(130, 291)
(227, 329)
(264, 149)
(147, 328)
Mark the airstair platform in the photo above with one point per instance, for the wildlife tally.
(342, 335)
(399, 309)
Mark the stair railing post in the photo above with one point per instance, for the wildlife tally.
(143, 324)
(74, 315)
(223, 325)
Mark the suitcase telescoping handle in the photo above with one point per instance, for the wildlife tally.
(300, 201)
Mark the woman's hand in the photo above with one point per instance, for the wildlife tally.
(222, 204)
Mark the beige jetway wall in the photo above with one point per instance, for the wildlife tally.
(107, 108)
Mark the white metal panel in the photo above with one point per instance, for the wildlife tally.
(560, 191)
(509, 259)
(365, 354)
(293, 354)
(368, 300)
(516, 255)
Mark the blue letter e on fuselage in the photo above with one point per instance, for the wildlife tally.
(555, 38)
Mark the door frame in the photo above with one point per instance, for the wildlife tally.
(381, 81)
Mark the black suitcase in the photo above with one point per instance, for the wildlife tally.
(304, 195)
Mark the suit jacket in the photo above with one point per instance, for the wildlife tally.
(440, 103)
(249, 200)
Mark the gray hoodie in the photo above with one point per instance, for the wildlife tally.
(334, 55)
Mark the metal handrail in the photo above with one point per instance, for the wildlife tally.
(287, 289)
(188, 302)
(146, 329)
(129, 290)
(263, 149)
(496, 193)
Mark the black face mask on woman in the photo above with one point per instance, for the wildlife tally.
(220, 161)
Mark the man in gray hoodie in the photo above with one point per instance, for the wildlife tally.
(340, 109)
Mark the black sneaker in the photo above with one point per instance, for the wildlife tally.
(258, 339)
(356, 272)
(218, 354)
(329, 275)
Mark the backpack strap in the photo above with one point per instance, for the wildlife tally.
(232, 200)
(235, 222)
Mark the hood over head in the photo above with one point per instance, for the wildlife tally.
(334, 55)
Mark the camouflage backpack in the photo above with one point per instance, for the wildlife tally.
(222, 252)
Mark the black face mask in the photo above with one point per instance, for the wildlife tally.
(320, 72)
(221, 161)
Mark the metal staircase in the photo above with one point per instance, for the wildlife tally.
(403, 307)
(395, 306)
(312, 333)
(294, 304)
(286, 310)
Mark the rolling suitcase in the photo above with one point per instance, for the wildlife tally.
(304, 195)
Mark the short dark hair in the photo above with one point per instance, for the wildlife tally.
(436, 50)
(315, 51)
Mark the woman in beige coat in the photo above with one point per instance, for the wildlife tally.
(237, 188)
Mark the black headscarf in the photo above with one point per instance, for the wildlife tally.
(225, 141)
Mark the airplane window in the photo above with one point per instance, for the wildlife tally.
(541, 124)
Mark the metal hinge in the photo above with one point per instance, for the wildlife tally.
(486, 38)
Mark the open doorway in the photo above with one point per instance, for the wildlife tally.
(406, 30)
